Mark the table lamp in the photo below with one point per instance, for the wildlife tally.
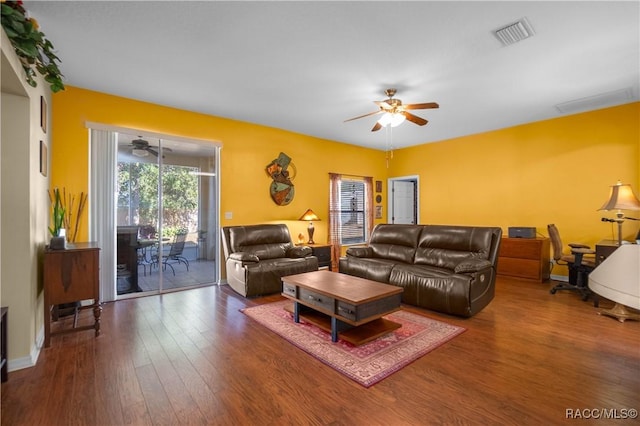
(621, 197)
(310, 216)
(618, 279)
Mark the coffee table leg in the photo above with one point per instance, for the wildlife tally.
(296, 312)
(334, 329)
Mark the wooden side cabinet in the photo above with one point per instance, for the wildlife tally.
(604, 249)
(525, 258)
(71, 275)
(323, 253)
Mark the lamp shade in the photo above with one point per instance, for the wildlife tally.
(621, 197)
(309, 216)
(618, 279)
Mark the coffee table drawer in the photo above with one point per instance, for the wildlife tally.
(289, 290)
(366, 310)
(320, 300)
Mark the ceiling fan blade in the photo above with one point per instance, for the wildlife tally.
(376, 127)
(384, 105)
(153, 151)
(362, 116)
(415, 119)
(426, 105)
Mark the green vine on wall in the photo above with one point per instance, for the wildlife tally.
(31, 45)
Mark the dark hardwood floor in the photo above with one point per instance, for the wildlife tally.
(192, 358)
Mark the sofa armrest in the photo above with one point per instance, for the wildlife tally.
(360, 252)
(472, 265)
(244, 257)
(299, 252)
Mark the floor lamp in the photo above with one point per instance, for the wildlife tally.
(621, 197)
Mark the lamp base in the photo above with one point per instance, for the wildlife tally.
(310, 229)
(620, 312)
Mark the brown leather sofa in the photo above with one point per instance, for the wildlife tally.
(257, 256)
(450, 269)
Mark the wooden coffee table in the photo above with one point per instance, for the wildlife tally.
(348, 307)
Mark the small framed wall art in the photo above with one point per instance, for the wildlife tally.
(44, 158)
(43, 114)
(378, 212)
(378, 186)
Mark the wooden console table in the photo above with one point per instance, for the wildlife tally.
(71, 275)
(525, 258)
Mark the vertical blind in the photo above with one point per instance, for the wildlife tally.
(350, 208)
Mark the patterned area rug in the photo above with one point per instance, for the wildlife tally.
(366, 364)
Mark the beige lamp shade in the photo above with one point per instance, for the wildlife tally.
(310, 216)
(621, 197)
(618, 279)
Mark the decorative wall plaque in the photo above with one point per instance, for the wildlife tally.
(281, 189)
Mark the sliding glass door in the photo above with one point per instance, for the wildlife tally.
(166, 214)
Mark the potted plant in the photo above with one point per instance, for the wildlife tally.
(58, 239)
(35, 51)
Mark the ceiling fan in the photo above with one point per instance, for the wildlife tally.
(141, 148)
(394, 112)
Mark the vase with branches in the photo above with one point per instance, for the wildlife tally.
(66, 214)
(57, 221)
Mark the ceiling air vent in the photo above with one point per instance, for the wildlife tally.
(515, 32)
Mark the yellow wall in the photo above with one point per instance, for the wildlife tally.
(553, 171)
(247, 149)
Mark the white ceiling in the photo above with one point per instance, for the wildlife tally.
(308, 66)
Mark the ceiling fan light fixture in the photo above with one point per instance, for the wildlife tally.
(140, 152)
(394, 119)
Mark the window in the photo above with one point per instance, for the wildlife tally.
(351, 209)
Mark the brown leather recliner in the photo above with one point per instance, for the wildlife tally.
(450, 269)
(257, 256)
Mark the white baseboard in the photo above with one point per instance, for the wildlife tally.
(562, 278)
(28, 361)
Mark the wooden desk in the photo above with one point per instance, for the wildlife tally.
(525, 258)
(71, 275)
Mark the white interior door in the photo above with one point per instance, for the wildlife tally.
(403, 201)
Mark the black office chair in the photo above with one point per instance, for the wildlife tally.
(175, 252)
(580, 262)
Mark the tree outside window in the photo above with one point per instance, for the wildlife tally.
(138, 196)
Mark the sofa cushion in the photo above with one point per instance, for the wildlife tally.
(448, 246)
(263, 241)
(395, 242)
(433, 288)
